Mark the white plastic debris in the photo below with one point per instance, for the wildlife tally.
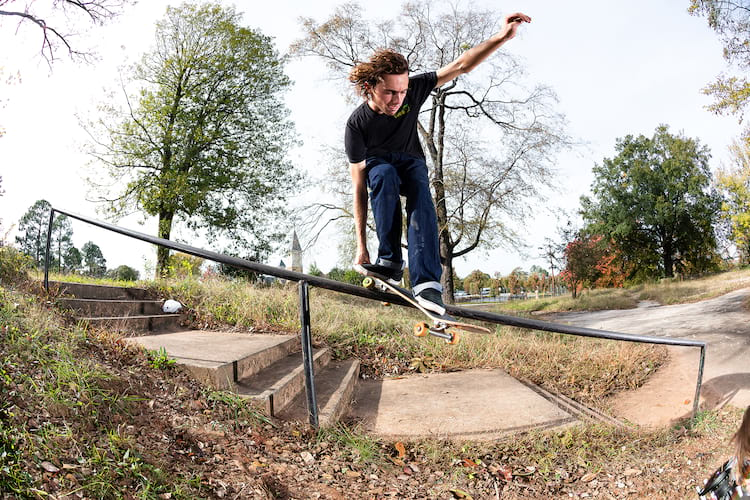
(171, 306)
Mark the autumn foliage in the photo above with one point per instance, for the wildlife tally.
(591, 261)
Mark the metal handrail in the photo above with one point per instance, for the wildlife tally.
(359, 291)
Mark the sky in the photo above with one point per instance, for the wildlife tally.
(617, 68)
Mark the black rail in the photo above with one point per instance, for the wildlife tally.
(359, 291)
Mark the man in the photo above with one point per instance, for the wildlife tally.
(385, 156)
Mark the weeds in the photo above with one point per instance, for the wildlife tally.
(160, 359)
(361, 447)
(60, 412)
(242, 412)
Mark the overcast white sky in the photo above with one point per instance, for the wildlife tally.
(618, 68)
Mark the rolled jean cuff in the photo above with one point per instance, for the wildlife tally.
(427, 284)
(398, 266)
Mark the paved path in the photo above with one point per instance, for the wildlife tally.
(723, 322)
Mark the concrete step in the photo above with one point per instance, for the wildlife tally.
(219, 359)
(280, 383)
(334, 388)
(156, 323)
(102, 292)
(111, 308)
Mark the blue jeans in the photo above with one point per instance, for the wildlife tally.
(388, 177)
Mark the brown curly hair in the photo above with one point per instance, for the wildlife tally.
(382, 62)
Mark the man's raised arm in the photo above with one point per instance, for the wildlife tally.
(475, 55)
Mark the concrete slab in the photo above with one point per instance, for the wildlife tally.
(219, 359)
(472, 404)
(210, 346)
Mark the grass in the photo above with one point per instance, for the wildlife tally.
(381, 337)
(75, 400)
(676, 291)
(665, 292)
(62, 410)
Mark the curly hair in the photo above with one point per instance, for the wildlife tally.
(382, 62)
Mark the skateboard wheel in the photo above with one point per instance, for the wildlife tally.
(421, 329)
(368, 282)
(454, 339)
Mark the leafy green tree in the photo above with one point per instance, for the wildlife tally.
(345, 275)
(95, 263)
(182, 265)
(476, 280)
(72, 260)
(32, 229)
(314, 270)
(731, 21)
(734, 183)
(655, 202)
(205, 135)
(124, 273)
(490, 142)
(256, 255)
(61, 242)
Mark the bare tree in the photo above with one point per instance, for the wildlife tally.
(489, 140)
(57, 19)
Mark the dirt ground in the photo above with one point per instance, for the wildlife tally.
(723, 323)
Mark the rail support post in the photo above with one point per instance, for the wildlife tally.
(697, 398)
(46, 252)
(307, 354)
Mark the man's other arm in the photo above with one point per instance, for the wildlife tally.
(359, 186)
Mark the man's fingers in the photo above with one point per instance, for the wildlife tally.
(519, 18)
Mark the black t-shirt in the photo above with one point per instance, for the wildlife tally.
(370, 134)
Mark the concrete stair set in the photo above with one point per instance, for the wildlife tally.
(267, 368)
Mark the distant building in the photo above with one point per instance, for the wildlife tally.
(296, 254)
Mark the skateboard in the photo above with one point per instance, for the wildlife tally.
(444, 327)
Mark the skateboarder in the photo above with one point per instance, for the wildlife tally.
(385, 156)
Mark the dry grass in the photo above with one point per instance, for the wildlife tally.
(582, 368)
(680, 291)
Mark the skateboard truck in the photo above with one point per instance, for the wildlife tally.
(438, 328)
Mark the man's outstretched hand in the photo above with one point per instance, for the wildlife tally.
(513, 21)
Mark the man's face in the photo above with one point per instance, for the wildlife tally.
(389, 93)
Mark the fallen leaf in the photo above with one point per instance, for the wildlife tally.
(503, 472)
(632, 472)
(401, 449)
(49, 467)
(469, 463)
(461, 494)
(588, 477)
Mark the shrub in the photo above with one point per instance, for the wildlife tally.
(14, 266)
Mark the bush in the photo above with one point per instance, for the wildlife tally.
(123, 273)
(14, 266)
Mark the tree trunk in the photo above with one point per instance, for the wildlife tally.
(447, 279)
(444, 236)
(162, 253)
(667, 258)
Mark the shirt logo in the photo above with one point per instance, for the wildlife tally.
(401, 112)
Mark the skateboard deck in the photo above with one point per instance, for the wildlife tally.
(443, 326)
